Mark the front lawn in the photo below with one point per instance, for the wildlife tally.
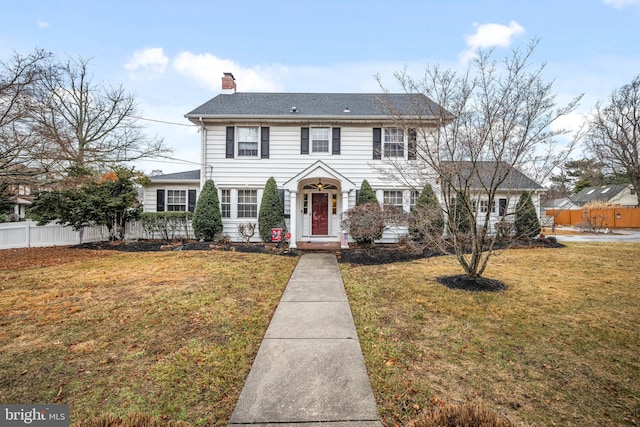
(169, 334)
(561, 346)
(173, 334)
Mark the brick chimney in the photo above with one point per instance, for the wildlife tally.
(228, 84)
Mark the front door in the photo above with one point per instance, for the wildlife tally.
(320, 214)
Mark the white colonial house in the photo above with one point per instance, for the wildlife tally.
(319, 147)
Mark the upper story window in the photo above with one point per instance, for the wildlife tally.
(248, 138)
(225, 203)
(393, 142)
(319, 140)
(176, 200)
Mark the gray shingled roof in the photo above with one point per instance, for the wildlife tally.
(313, 105)
(178, 176)
(484, 172)
(597, 194)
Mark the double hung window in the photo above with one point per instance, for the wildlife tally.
(225, 203)
(484, 206)
(393, 200)
(393, 142)
(319, 140)
(248, 138)
(176, 200)
(247, 203)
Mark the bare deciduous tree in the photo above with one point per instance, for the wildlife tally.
(90, 125)
(614, 132)
(21, 153)
(471, 134)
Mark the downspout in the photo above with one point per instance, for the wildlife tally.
(203, 153)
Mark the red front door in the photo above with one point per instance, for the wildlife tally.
(320, 214)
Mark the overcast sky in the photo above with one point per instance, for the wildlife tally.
(171, 55)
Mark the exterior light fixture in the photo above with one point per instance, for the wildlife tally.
(320, 184)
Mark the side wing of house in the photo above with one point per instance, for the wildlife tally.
(172, 192)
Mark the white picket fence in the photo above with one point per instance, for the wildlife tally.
(27, 234)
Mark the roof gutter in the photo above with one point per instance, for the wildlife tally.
(199, 120)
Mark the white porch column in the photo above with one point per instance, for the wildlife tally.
(293, 219)
(344, 243)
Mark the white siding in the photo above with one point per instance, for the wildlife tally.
(285, 162)
(150, 193)
(354, 162)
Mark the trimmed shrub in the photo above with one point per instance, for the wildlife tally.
(527, 223)
(271, 211)
(426, 216)
(467, 415)
(366, 195)
(166, 225)
(207, 219)
(365, 223)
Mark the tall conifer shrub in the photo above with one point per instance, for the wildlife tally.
(207, 219)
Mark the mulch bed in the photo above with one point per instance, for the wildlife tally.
(472, 284)
(356, 254)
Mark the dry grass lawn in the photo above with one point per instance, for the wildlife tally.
(170, 334)
(561, 346)
(173, 334)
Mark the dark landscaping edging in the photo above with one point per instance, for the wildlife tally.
(362, 255)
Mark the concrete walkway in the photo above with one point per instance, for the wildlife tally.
(309, 368)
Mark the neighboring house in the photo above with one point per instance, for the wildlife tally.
(562, 203)
(509, 183)
(614, 195)
(319, 147)
(172, 192)
(21, 197)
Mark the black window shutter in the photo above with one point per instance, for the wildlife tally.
(411, 149)
(357, 196)
(230, 142)
(192, 200)
(264, 143)
(335, 141)
(377, 143)
(304, 141)
(281, 194)
(159, 200)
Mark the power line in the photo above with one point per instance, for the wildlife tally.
(162, 121)
(173, 160)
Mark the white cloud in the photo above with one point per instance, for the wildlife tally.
(619, 4)
(208, 69)
(151, 59)
(490, 35)
(42, 24)
(571, 122)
